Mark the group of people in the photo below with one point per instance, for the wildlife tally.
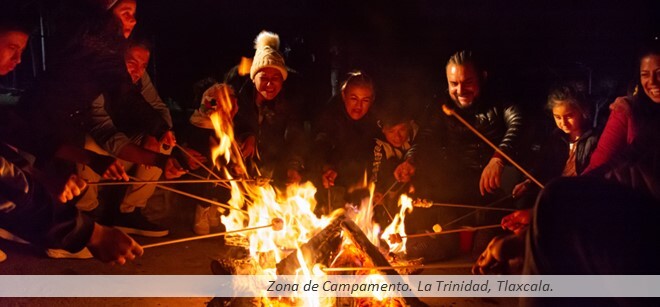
(95, 114)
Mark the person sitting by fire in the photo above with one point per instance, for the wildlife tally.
(269, 122)
(566, 152)
(130, 125)
(342, 149)
(619, 194)
(33, 203)
(200, 137)
(478, 168)
(398, 132)
(450, 163)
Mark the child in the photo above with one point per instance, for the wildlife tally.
(389, 151)
(566, 153)
(568, 150)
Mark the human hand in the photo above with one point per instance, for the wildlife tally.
(116, 171)
(329, 177)
(110, 244)
(249, 147)
(193, 158)
(293, 176)
(404, 172)
(503, 255)
(490, 177)
(72, 188)
(517, 221)
(173, 169)
(520, 188)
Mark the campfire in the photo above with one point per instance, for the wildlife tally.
(306, 245)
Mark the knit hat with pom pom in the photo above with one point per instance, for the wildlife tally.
(267, 55)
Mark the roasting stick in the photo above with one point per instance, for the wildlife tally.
(197, 197)
(467, 207)
(229, 187)
(381, 200)
(277, 225)
(200, 198)
(222, 184)
(197, 161)
(418, 266)
(396, 238)
(476, 210)
(451, 112)
(107, 183)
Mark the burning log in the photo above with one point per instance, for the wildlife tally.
(317, 250)
(360, 239)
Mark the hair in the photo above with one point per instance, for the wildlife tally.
(648, 49)
(358, 78)
(569, 95)
(468, 57)
(645, 112)
(465, 57)
(141, 43)
(393, 112)
(9, 24)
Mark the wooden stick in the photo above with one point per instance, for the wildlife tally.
(276, 224)
(451, 112)
(197, 161)
(222, 184)
(200, 198)
(419, 266)
(469, 207)
(444, 232)
(475, 211)
(384, 195)
(107, 183)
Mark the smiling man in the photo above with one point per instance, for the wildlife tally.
(12, 43)
(448, 162)
(478, 164)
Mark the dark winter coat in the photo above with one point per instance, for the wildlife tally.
(499, 122)
(343, 144)
(554, 154)
(279, 133)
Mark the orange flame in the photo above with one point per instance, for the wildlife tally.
(244, 66)
(295, 206)
(397, 226)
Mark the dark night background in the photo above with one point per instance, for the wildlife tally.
(404, 45)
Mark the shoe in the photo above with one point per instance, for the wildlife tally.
(3, 256)
(4, 234)
(201, 225)
(135, 223)
(64, 254)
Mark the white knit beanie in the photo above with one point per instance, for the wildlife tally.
(267, 55)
